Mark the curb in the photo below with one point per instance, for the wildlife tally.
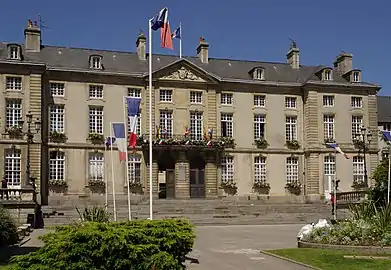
(289, 260)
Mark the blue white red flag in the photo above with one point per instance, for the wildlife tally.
(177, 33)
(160, 21)
(337, 148)
(133, 105)
(386, 135)
(120, 139)
(109, 141)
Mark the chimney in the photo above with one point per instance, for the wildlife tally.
(293, 56)
(202, 51)
(32, 35)
(141, 45)
(344, 62)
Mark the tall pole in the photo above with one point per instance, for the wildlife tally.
(180, 40)
(112, 171)
(127, 161)
(106, 181)
(29, 135)
(389, 174)
(150, 120)
(365, 160)
(335, 185)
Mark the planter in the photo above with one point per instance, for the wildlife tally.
(97, 186)
(58, 186)
(293, 188)
(57, 137)
(293, 144)
(329, 140)
(358, 185)
(136, 188)
(15, 132)
(378, 250)
(261, 188)
(229, 187)
(95, 138)
(261, 143)
(227, 142)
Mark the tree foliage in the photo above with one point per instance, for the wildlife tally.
(378, 193)
(140, 245)
(8, 228)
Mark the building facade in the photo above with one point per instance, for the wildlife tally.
(216, 122)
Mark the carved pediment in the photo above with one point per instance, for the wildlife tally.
(183, 74)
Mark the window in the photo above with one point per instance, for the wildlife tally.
(227, 129)
(96, 62)
(96, 165)
(196, 126)
(259, 126)
(166, 123)
(259, 101)
(356, 125)
(134, 92)
(328, 101)
(258, 74)
(96, 120)
(134, 168)
(57, 165)
(226, 99)
(195, 97)
(259, 169)
(14, 52)
(290, 102)
(227, 169)
(327, 75)
(14, 83)
(57, 89)
(328, 125)
(96, 91)
(57, 115)
(356, 76)
(12, 167)
(387, 127)
(292, 170)
(13, 112)
(165, 95)
(291, 128)
(358, 169)
(329, 166)
(356, 102)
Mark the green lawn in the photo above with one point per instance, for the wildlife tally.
(330, 259)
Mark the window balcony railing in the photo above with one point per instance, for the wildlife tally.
(187, 141)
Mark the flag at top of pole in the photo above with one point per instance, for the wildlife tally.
(178, 35)
(160, 21)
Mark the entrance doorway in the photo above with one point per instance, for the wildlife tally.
(197, 177)
(166, 176)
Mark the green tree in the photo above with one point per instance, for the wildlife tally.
(378, 193)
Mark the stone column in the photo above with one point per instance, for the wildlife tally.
(182, 177)
(312, 172)
(210, 176)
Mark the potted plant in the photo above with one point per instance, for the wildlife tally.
(293, 144)
(14, 132)
(329, 140)
(229, 187)
(359, 184)
(359, 144)
(97, 185)
(261, 187)
(294, 187)
(261, 143)
(96, 138)
(58, 137)
(136, 187)
(58, 186)
(228, 142)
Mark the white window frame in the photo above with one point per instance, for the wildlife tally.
(13, 167)
(291, 102)
(327, 75)
(96, 116)
(226, 98)
(328, 101)
(292, 170)
(356, 102)
(57, 166)
(387, 127)
(329, 166)
(95, 91)
(134, 92)
(227, 169)
(260, 172)
(57, 118)
(357, 123)
(290, 128)
(258, 74)
(96, 62)
(259, 101)
(166, 121)
(96, 166)
(356, 76)
(196, 97)
(13, 112)
(165, 95)
(134, 168)
(196, 126)
(13, 83)
(228, 119)
(329, 126)
(358, 169)
(57, 89)
(259, 126)
(14, 52)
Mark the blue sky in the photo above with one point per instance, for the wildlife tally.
(247, 29)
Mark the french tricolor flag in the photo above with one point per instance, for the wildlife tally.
(133, 105)
(120, 139)
(160, 21)
(336, 147)
(386, 135)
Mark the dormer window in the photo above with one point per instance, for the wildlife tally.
(327, 75)
(14, 52)
(356, 76)
(96, 62)
(259, 74)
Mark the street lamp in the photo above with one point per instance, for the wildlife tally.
(30, 140)
(363, 141)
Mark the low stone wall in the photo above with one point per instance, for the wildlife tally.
(370, 250)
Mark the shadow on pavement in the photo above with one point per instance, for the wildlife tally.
(6, 253)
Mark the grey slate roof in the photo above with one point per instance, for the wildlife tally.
(384, 109)
(128, 63)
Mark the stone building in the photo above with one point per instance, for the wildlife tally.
(384, 123)
(269, 121)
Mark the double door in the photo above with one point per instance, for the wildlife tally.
(197, 183)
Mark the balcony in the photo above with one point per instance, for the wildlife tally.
(186, 141)
(17, 198)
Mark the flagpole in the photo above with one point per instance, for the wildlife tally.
(180, 40)
(112, 171)
(389, 174)
(127, 162)
(150, 120)
(106, 180)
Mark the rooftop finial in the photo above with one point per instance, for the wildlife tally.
(202, 39)
(35, 24)
(29, 23)
(293, 44)
(141, 33)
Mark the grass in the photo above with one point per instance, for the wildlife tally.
(330, 259)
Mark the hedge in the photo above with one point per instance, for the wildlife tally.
(8, 228)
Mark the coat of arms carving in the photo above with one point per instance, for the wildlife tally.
(183, 74)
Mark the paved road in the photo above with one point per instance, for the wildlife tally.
(234, 247)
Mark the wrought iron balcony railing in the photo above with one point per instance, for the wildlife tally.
(187, 141)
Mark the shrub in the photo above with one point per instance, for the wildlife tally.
(136, 245)
(378, 193)
(8, 228)
(95, 214)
